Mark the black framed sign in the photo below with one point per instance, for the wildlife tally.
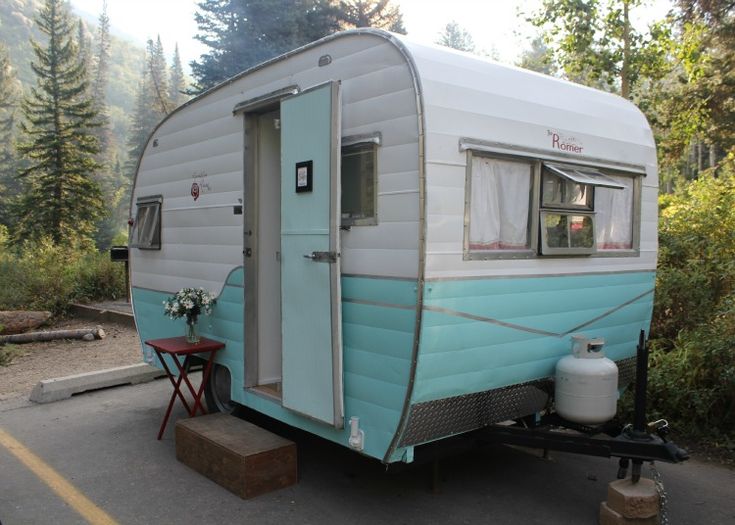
(304, 176)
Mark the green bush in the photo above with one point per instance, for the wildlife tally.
(696, 261)
(45, 276)
(692, 372)
(694, 382)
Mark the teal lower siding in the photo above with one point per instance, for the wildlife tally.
(460, 355)
(377, 346)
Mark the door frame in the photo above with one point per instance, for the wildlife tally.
(249, 110)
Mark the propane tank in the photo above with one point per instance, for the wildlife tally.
(586, 386)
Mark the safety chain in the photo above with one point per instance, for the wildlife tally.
(662, 495)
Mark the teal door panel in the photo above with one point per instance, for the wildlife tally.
(310, 293)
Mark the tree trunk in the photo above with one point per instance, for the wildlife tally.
(18, 321)
(87, 334)
(625, 72)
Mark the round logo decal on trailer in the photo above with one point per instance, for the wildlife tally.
(195, 190)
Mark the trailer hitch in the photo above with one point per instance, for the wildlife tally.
(637, 442)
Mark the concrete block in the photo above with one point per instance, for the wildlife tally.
(102, 315)
(60, 388)
(610, 517)
(633, 500)
(243, 458)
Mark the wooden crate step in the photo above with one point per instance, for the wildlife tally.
(242, 457)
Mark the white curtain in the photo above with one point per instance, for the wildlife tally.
(614, 216)
(500, 196)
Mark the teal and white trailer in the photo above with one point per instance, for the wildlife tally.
(398, 233)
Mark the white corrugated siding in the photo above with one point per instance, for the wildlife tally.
(466, 96)
(201, 244)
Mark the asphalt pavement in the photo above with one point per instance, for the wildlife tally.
(102, 447)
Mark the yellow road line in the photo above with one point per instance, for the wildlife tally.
(56, 482)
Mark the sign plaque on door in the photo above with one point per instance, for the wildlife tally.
(304, 176)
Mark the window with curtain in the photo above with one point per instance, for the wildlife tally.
(518, 208)
(500, 193)
(614, 210)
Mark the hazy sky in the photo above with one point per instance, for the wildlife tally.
(494, 24)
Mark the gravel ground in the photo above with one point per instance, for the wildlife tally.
(38, 361)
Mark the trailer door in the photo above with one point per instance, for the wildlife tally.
(310, 256)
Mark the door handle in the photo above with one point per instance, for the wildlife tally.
(329, 257)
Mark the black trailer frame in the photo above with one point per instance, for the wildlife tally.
(635, 442)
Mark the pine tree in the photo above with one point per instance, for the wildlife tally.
(8, 105)
(140, 126)
(156, 63)
(456, 37)
(152, 102)
(177, 81)
(146, 116)
(100, 81)
(84, 45)
(538, 58)
(243, 33)
(382, 14)
(61, 198)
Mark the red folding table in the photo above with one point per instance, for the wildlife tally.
(176, 347)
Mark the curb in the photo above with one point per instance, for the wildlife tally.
(50, 390)
(96, 314)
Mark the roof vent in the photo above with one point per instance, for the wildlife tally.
(325, 60)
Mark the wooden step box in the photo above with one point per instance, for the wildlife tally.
(244, 458)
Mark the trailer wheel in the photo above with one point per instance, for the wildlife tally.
(217, 393)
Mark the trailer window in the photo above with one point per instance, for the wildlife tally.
(148, 223)
(614, 211)
(518, 207)
(359, 181)
(584, 210)
(499, 205)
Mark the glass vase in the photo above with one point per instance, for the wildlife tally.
(192, 336)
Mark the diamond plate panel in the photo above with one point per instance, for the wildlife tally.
(444, 417)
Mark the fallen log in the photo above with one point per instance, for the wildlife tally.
(86, 334)
(18, 321)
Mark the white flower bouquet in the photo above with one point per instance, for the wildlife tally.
(189, 303)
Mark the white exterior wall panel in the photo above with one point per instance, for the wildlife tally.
(202, 239)
(468, 97)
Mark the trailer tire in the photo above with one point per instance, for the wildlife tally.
(217, 393)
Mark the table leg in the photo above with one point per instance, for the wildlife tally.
(177, 390)
(205, 377)
(184, 373)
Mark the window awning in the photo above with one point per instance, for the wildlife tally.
(581, 175)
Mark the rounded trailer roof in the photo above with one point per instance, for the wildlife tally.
(461, 91)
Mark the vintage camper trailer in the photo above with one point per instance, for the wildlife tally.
(402, 238)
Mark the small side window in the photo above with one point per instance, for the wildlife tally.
(359, 184)
(148, 223)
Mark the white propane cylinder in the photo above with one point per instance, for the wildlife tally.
(586, 386)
